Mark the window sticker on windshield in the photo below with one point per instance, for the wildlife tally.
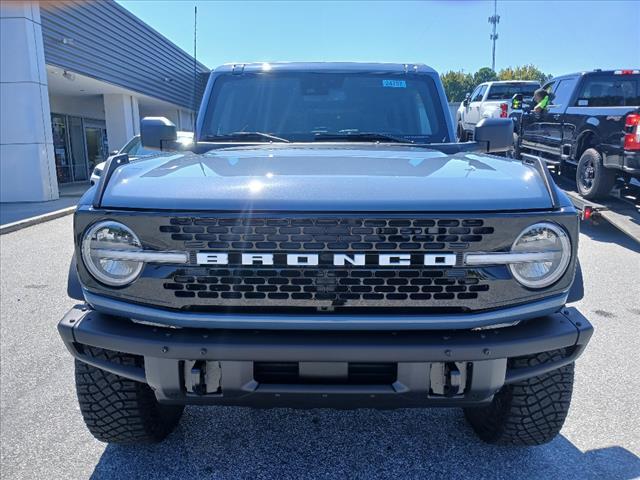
(394, 83)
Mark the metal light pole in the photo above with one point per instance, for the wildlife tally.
(494, 20)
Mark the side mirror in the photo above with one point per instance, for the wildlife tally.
(467, 99)
(494, 134)
(516, 101)
(158, 133)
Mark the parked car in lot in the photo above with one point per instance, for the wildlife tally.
(134, 149)
(325, 243)
(490, 100)
(591, 129)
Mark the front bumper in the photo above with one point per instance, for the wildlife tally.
(485, 355)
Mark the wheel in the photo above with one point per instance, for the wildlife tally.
(118, 410)
(462, 135)
(592, 178)
(514, 152)
(530, 412)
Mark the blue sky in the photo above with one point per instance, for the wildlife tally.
(559, 37)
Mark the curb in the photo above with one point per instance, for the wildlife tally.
(28, 222)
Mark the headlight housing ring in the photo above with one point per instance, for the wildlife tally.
(544, 237)
(110, 236)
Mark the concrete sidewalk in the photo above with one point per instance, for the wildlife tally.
(19, 211)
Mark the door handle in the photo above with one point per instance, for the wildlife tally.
(556, 116)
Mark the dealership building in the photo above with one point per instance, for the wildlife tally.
(75, 80)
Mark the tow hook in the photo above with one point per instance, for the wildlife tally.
(448, 379)
(202, 377)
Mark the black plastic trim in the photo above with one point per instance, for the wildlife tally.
(565, 329)
(74, 288)
(113, 162)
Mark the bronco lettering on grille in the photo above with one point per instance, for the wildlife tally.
(337, 259)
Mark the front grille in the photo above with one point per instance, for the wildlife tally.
(356, 285)
(326, 234)
(328, 285)
(370, 288)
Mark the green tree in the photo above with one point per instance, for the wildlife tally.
(457, 84)
(524, 72)
(485, 74)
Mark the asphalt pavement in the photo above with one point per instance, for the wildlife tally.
(42, 434)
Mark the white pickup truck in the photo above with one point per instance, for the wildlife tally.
(489, 100)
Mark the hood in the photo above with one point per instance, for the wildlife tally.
(327, 177)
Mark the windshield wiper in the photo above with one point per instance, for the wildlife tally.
(245, 136)
(361, 137)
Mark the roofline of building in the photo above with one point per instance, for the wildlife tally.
(136, 19)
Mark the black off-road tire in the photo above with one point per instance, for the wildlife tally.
(593, 179)
(118, 410)
(530, 412)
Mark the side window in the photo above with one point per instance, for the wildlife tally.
(563, 92)
(479, 94)
(474, 93)
(549, 87)
(609, 91)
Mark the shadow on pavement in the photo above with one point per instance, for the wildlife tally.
(227, 442)
(606, 233)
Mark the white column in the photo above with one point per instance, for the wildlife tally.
(122, 117)
(27, 164)
(186, 120)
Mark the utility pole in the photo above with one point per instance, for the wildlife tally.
(494, 20)
(195, 68)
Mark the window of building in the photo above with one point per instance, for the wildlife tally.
(78, 145)
(61, 148)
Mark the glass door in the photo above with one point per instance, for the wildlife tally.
(96, 140)
(76, 135)
(61, 148)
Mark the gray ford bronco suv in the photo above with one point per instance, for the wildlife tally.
(325, 243)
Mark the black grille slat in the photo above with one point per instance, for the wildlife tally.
(361, 284)
(328, 234)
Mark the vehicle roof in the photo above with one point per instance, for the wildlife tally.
(326, 67)
(589, 72)
(501, 82)
(180, 133)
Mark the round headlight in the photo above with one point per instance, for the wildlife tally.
(102, 244)
(543, 238)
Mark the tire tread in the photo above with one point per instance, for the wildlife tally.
(530, 412)
(118, 410)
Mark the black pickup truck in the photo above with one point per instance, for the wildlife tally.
(590, 129)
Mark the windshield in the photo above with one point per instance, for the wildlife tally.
(303, 106)
(507, 91)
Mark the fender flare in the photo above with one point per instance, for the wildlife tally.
(74, 287)
(576, 292)
(577, 144)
